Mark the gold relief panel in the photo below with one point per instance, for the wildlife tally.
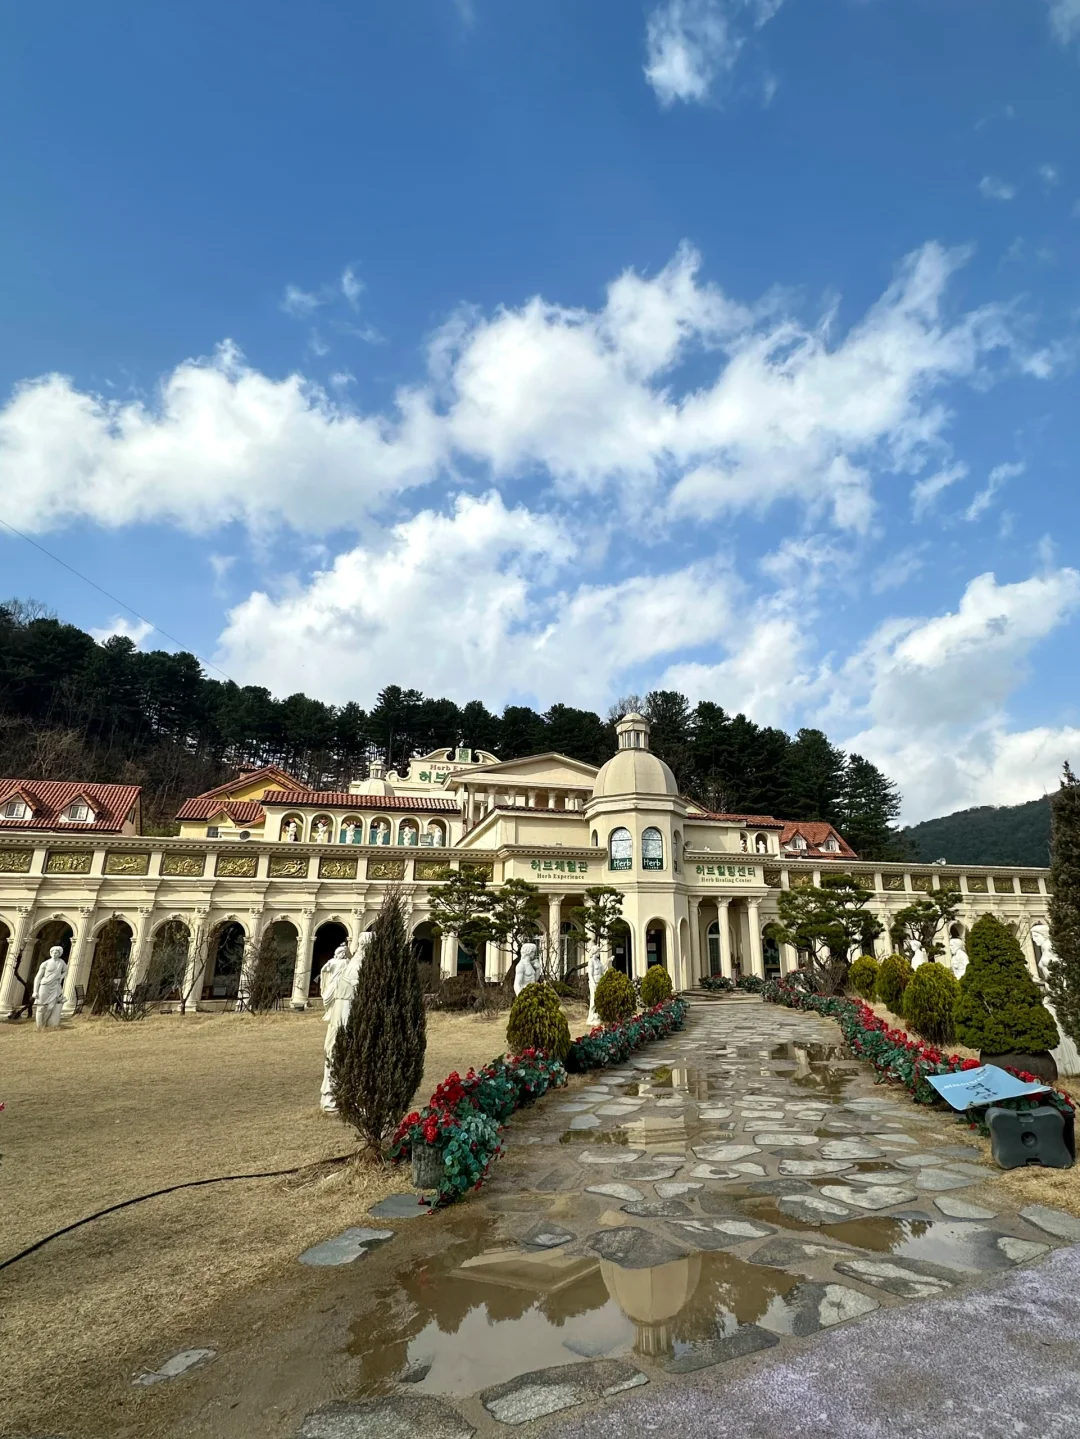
(1029, 886)
(922, 883)
(479, 871)
(191, 866)
(1003, 884)
(127, 864)
(288, 867)
(797, 880)
(345, 868)
(894, 883)
(67, 862)
(237, 866)
(386, 869)
(432, 869)
(15, 861)
(977, 884)
(773, 879)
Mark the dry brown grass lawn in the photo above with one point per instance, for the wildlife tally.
(99, 1112)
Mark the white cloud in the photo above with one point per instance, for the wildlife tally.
(894, 571)
(351, 287)
(924, 492)
(119, 625)
(691, 44)
(991, 187)
(1049, 174)
(1065, 19)
(300, 304)
(470, 603)
(1000, 475)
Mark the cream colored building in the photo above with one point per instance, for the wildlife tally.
(699, 889)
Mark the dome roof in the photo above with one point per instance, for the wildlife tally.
(634, 771)
(375, 786)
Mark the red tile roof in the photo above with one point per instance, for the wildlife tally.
(752, 821)
(240, 811)
(816, 832)
(111, 804)
(252, 776)
(332, 799)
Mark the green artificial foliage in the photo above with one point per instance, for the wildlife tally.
(537, 1021)
(999, 1009)
(862, 977)
(615, 997)
(378, 1057)
(929, 1000)
(1063, 980)
(894, 976)
(656, 986)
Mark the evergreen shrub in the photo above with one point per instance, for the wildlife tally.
(537, 1021)
(999, 1009)
(893, 978)
(615, 998)
(656, 986)
(862, 976)
(929, 1000)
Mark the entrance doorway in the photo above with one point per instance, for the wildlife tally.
(108, 973)
(327, 938)
(622, 947)
(654, 944)
(770, 953)
(227, 945)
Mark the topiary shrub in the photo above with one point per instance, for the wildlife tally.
(656, 986)
(893, 978)
(862, 976)
(538, 1022)
(928, 1003)
(999, 1009)
(615, 998)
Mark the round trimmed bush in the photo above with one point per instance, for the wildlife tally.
(862, 976)
(893, 978)
(615, 997)
(656, 986)
(999, 1009)
(537, 1021)
(929, 1000)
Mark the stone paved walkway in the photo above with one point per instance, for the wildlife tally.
(732, 1190)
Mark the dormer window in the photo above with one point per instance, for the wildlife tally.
(797, 842)
(78, 812)
(831, 845)
(16, 809)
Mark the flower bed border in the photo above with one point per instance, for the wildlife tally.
(464, 1118)
(897, 1057)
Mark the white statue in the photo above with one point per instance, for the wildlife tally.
(1048, 956)
(762, 845)
(348, 833)
(289, 834)
(322, 832)
(528, 968)
(958, 961)
(918, 954)
(338, 979)
(1066, 1056)
(49, 990)
(597, 968)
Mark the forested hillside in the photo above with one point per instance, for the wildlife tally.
(71, 708)
(1006, 834)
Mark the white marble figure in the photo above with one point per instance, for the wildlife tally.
(348, 833)
(337, 985)
(289, 834)
(1066, 1055)
(762, 845)
(958, 956)
(528, 968)
(596, 973)
(321, 832)
(918, 954)
(49, 990)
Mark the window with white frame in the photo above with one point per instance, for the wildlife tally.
(78, 812)
(15, 809)
(620, 849)
(652, 849)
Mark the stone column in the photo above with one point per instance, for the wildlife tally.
(79, 959)
(757, 959)
(551, 799)
(8, 982)
(554, 922)
(723, 924)
(139, 958)
(531, 796)
(697, 969)
(251, 948)
(789, 958)
(302, 972)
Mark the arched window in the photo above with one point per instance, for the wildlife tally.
(620, 850)
(652, 849)
(408, 832)
(434, 834)
(761, 844)
(744, 843)
(352, 830)
(292, 828)
(715, 966)
(379, 832)
(676, 850)
(595, 840)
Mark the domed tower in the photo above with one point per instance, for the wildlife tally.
(376, 782)
(635, 769)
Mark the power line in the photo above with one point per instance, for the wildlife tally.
(94, 585)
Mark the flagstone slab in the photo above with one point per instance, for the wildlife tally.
(399, 1206)
(584, 1121)
(780, 1186)
(786, 1252)
(850, 1149)
(883, 1197)
(659, 1209)
(720, 1233)
(646, 1172)
(631, 1247)
(900, 1277)
(713, 1171)
(1053, 1221)
(725, 1153)
(715, 1112)
(1020, 1251)
(676, 1189)
(770, 1138)
(351, 1244)
(548, 1391)
(812, 1209)
(924, 1159)
(808, 1308)
(747, 1339)
(748, 1168)
(395, 1416)
(816, 1167)
(934, 1180)
(617, 1108)
(174, 1366)
(626, 1192)
(881, 1176)
(962, 1208)
(616, 1154)
(548, 1236)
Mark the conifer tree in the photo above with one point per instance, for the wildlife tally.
(379, 1054)
(999, 1009)
(1063, 982)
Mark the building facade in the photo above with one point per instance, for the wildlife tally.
(699, 889)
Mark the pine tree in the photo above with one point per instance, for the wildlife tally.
(1000, 1009)
(869, 809)
(814, 772)
(378, 1057)
(1063, 983)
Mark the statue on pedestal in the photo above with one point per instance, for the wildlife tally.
(596, 973)
(288, 833)
(1066, 1055)
(918, 954)
(338, 979)
(321, 832)
(49, 990)
(528, 968)
(958, 961)
(348, 833)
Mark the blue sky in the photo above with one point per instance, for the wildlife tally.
(562, 349)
